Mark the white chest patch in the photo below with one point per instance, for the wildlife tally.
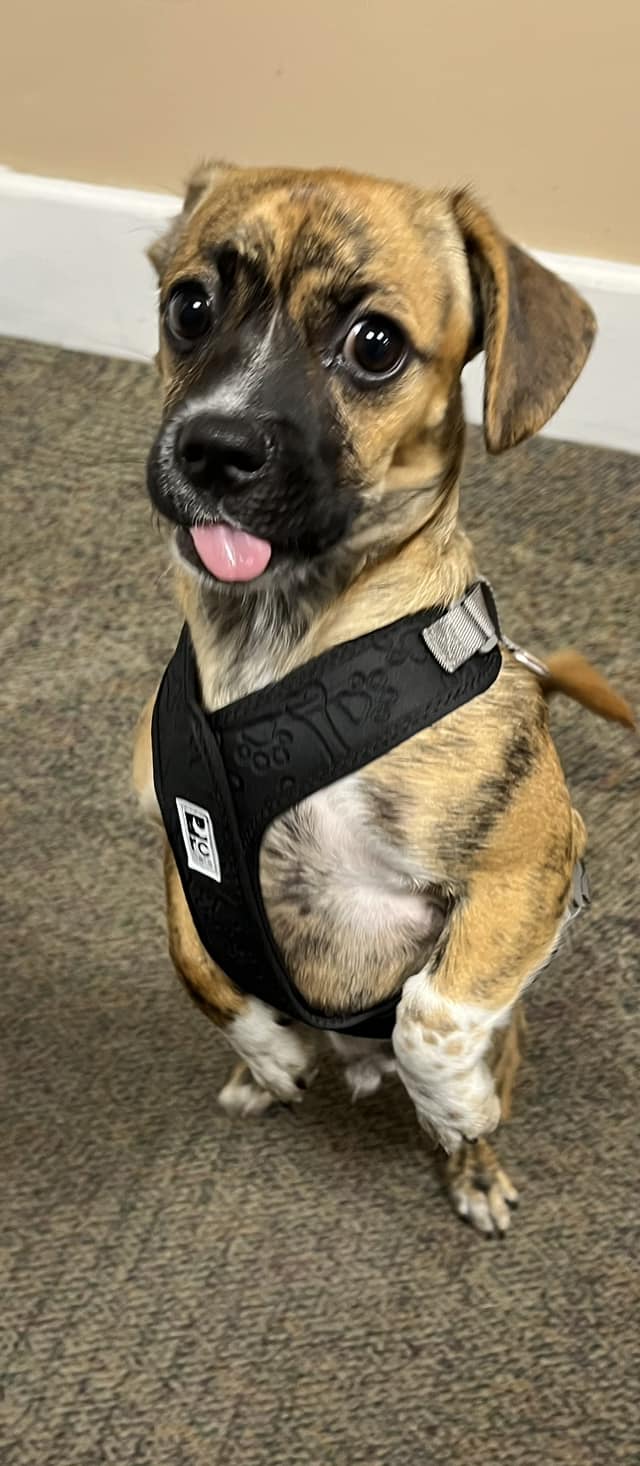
(363, 881)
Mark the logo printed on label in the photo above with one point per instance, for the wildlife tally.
(199, 839)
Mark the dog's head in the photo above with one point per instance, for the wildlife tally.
(314, 327)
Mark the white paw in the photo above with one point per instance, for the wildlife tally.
(485, 1202)
(280, 1055)
(365, 1076)
(241, 1097)
(440, 1047)
(458, 1121)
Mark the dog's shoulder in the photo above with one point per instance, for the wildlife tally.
(490, 766)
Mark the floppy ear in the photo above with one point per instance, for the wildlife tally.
(535, 329)
(199, 182)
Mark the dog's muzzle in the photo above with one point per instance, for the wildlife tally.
(270, 477)
(221, 453)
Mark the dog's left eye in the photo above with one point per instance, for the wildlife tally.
(188, 314)
(376, 347)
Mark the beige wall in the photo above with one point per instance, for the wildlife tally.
(534, 101)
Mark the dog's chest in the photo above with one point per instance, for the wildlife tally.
(329, 858)
(341, 891)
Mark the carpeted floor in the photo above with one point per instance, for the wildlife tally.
(186, 1292)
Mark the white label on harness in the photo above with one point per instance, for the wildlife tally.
(199, 839)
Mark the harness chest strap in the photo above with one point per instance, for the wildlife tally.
(222, 777)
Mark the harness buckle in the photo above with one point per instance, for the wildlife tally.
(465, 628)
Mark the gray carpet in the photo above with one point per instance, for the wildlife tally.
(186, 1292)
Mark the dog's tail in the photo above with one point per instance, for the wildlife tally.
(569, 672)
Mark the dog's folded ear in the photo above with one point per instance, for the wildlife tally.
(535, 329)
(203, 178)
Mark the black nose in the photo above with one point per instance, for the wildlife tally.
(215, 451)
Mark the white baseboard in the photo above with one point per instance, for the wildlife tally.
(74, 273)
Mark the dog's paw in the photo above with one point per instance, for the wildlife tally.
(241, 1097)
(480, 1191)
(364, 1076)
(280, 1055)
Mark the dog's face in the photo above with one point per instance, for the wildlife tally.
(314, 327)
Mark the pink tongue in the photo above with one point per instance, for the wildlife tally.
(231, 554)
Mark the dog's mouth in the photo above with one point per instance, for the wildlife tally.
(227, 554)
(243, 523)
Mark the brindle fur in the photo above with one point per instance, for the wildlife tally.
(475, 809)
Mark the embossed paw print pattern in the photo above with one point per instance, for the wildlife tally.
(265, 747)
(368, 697)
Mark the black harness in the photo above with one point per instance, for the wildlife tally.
(222, 777)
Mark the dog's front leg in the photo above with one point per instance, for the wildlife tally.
(279, 1057)
(449, 1012)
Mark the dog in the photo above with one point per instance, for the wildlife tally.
(313, 331)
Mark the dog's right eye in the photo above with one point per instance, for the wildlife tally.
(188, 314)
(375, 349)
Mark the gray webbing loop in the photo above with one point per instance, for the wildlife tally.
(465, 628)
(468, 627)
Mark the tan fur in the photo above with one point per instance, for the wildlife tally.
(541, 331)
(477, 804)
(142, 770)
(572, 674)
(205, 983)
(506, 1058)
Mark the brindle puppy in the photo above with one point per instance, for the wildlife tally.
(314, 327)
